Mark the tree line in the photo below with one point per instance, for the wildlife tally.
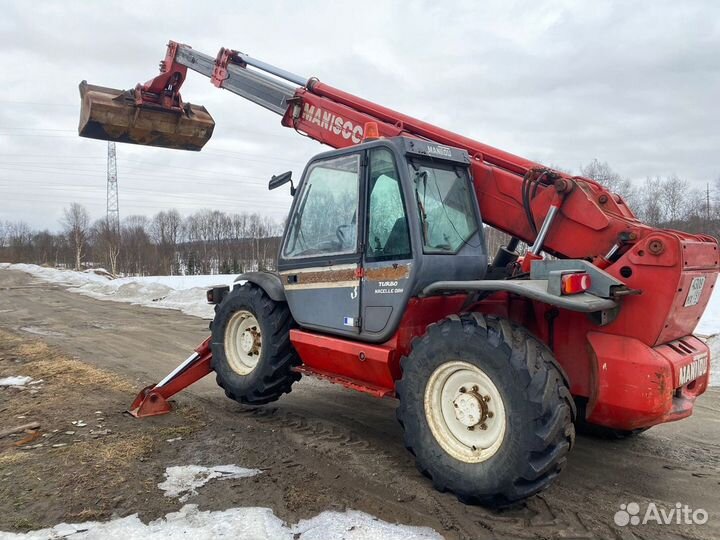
(211, 241)
(206, 242)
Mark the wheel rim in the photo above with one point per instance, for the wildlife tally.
(243, 342)
(465, 411)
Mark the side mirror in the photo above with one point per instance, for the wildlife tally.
(281, 180)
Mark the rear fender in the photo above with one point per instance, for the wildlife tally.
(267, 281)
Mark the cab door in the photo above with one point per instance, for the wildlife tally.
(320, 261)
(388, 265)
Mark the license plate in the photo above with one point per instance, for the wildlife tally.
(696, 287)
(697, 368)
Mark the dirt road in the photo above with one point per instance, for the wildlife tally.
(340, 449)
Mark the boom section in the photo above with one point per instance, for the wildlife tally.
(229, 71)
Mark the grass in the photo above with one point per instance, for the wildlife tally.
(44, 362)
(82, 480)
(110, 453)
(13, 458)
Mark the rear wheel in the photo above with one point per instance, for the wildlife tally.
(485, 410)
(251, 351)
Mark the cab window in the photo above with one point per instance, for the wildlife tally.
(388, 235)
(325, 218)
(445, 205)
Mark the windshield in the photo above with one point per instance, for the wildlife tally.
(325, 221)
(445, 205)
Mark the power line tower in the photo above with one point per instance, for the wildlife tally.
(113, 203)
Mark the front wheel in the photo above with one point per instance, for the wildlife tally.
(485, 409)
(251, 351)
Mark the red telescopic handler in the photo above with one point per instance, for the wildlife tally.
(384, 284)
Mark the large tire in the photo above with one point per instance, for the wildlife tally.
(527, 428)
(251, 351)
(583, 427)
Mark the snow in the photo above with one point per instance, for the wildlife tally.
(67, 277)
(184, 293)
(709, 324)
(18, 380)
(183, 481)
(708, 329)
(236, 523)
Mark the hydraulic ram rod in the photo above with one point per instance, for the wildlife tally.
(253, 85)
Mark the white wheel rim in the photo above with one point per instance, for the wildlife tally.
(465, 411)
(243, 342)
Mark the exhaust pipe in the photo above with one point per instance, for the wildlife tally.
(110, 114)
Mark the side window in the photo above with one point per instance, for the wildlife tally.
(325, 218)
(388, 236)
(446, 208)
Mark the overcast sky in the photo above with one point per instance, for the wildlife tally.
(632, 83)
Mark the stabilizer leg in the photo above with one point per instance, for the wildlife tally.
(153, 400)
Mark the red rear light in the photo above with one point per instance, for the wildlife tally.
(576, 283)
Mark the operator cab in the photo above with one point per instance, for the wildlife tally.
(371, 226)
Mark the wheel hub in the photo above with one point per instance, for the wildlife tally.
(465, 411)
(471, 408)
(248, 341)
(243, 342)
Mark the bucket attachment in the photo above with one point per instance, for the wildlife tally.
(153, 400)
(114, 115)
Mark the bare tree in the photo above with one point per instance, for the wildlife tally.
(165, 231)
(651, 208)
(602, 173)
(76, 222)
(19, 240)
(107, 241)
(674, 200)
(137, 248)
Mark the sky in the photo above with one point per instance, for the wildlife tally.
(633, 83)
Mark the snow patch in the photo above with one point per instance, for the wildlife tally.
(255, 523)
(40, 331)
(183, 481)
(18, 380)
(184, 293)
(709, 324)
(708, 329)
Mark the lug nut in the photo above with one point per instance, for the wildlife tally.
(490, 414)
(475, 388)
(462, 390)
(483, 426)
(486, 398)
(471, 428)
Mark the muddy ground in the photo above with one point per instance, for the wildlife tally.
(321, 447)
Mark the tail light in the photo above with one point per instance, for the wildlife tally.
(576, 283)
(216, 294)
